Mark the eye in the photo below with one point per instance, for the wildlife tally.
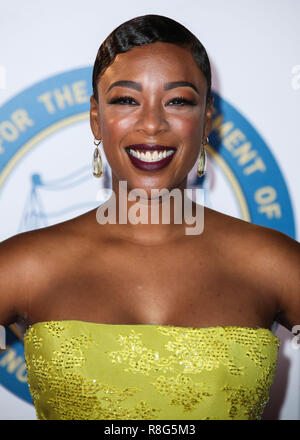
(123, 100)
(181, 101)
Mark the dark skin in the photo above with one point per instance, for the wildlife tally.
(234, 273)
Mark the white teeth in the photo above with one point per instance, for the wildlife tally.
(153, 156)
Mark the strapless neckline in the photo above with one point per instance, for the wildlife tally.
(84, 370)
(107, 325)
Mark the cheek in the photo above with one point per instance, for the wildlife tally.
(114, 125)
(114, 129)
(188, 127)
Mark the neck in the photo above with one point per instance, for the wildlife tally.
(151, 217)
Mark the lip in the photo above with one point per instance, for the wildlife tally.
(150, 166)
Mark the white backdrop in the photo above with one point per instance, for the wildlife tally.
(253, 46)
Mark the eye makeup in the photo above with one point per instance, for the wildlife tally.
(180, 99)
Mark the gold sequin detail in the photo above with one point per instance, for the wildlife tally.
(182, 390)
(192, 349)
(71, 352)
(87, 371)
(93, 399)
(137, 357)
(249, 402)
(34, 339)
(54, 328)
(196, 350)
(254, 340)
(73, 396)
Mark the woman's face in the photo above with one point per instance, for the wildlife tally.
(161, 101)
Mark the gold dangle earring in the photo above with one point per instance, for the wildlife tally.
(97, 160)
(202, 160)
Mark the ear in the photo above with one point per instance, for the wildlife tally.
(95, 118)
(208, 118)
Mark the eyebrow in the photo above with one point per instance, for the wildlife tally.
(138, 86)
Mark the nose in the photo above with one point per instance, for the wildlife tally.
(152, 120)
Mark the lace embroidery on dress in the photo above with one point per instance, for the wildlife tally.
(158, 371)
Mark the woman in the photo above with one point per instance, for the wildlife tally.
(143, 321)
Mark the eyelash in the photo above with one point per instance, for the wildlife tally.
(118, 100)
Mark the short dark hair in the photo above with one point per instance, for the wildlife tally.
(148, 29)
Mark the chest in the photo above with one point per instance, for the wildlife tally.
(183, 284)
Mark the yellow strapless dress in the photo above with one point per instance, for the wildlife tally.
(85, 371)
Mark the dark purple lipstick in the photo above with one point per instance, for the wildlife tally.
(157, 164)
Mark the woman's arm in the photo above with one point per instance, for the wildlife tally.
(278, 269)
(286, 272)
(16, 277)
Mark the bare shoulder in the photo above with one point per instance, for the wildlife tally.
(267, 257)
(279, 263)
(31, 262)
(20, 269)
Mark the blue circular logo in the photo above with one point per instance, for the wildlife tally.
(235, 147)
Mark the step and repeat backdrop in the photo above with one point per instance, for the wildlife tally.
(46, 145)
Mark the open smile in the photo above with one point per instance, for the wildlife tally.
(150, 157)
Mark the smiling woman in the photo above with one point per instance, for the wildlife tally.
(137, 320)
(167, 72)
